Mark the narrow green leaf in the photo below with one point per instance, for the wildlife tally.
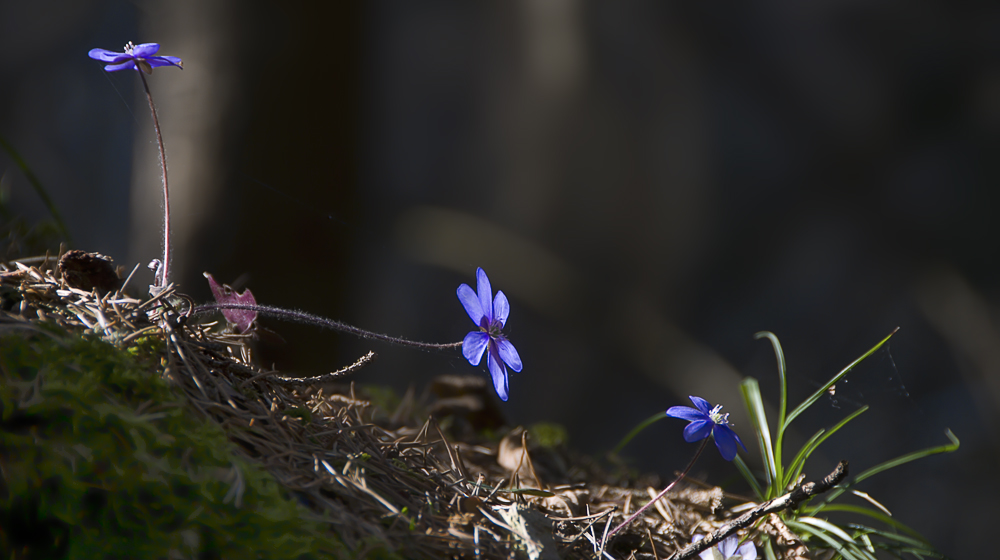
(897, 551)
(792, 473)
(822, 390)
(868, 542)
(826, 526)
(953, 446)
(750, 478)
(783, 401)
(897, 543)
(849, 550)
(916, 543)
(39, 189)
(901, 460)
(636, 430)
(750, 390)
(530, 492)
(769, 550)
(796, 467)
(877, 515)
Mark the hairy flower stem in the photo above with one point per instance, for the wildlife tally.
(296, 316)
(687, 469)
(163, 274)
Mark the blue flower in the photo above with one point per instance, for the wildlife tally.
(727, 550)
(491, 317)
(139, 57)
(707, 420)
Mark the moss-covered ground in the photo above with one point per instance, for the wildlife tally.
(102, 458)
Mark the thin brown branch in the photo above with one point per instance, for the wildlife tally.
(791, 499)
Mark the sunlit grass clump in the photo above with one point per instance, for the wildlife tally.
(789, 519)
(857, 540)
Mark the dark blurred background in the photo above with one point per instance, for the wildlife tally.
(650, 183)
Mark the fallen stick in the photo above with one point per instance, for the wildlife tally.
(791, 499)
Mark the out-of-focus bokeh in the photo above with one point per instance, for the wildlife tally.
(650, 183)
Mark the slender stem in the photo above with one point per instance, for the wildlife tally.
(297, 316)
(162, 275)
(687, 469)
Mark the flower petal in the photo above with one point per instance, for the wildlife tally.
(145, 50)
(738, 440)
(130, 63)
(470, 301)
(747, 551)
(105, 55)
(156, 61)
(701, 404)
(508, 354)
(706, 554)
(501, 308)
(473, 346)
(697, 430)
(485, 294)
(241, 318)
(686, 413)
(725, 440)
(498, 372)
(728, 546)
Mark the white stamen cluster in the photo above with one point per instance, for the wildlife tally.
(718, 417)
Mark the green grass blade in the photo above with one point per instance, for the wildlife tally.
(782, 403)
(530, 492)
(916, 543)
(750, 390)
(800, 459)
(869, 546)
(901, 460)
(897, 543)
(39, 189)
(826, 526)
(769, 550)
(898, 551)
(635, 431)
(822, 390)
(848, 550)
(878, 516)
(793, 471)
(750, 478)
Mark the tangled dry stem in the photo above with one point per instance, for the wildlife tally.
(425, 486)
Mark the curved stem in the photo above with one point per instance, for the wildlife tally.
(296, 316)
(163, 274)
(687, 469)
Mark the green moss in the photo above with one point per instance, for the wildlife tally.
(84, 476)
(548, 434)
(383, 398)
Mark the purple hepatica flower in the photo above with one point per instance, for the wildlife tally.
(707, 420)
(727, 549)
(139, 57)
(491, 317)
